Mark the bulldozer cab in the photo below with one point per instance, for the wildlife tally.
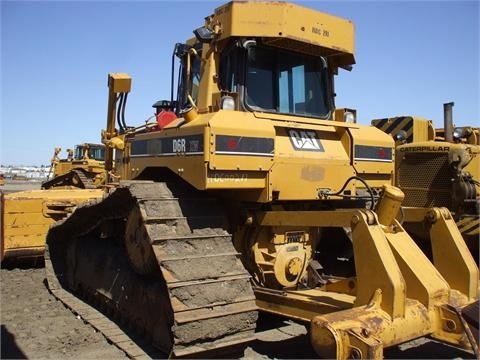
(255, 77)
(281, 69)
(89, 151)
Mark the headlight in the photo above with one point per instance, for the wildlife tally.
(349, 117)
(204, 34)
(401, 136)
(459, 133)
(227, 103)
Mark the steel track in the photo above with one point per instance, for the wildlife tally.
(198, 302)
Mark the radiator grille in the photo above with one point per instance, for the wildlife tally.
(425, 178)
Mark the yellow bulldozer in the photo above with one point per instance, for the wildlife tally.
(437, 167)
(83, 168)
(251, 192)
(25, 216)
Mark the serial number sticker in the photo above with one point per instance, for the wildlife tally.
(222, 178)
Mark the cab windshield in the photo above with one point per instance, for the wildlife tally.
(284, 82)
(94, 152)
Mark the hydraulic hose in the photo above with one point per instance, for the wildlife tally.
(369, 190)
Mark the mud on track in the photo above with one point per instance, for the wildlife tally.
(36, 326)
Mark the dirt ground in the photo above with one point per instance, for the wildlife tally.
(20, 185)
(36, 326)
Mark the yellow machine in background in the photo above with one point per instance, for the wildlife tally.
(438, 168)
(251, 192)
(25, 216)
(407, 129)
(83, 168)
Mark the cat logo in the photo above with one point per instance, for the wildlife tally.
(305, 140)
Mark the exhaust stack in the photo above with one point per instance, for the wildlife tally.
(448, 121)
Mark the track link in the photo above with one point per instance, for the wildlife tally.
(196, 298)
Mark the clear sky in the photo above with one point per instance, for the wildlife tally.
(412, 56)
